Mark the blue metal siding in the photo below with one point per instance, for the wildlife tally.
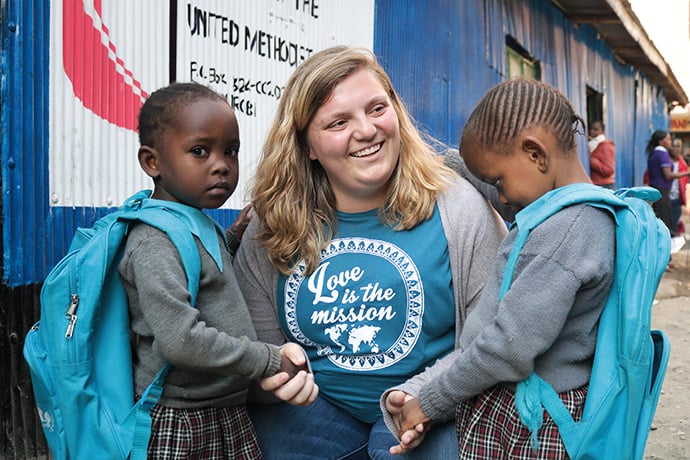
(436, 55)
(35, 235)
(63, 221)
(24, 143)
(652, 114)
(442, 55)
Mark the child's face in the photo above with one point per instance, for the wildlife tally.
(677, 148)
(196, 160)
(517, 175)
(595, 129)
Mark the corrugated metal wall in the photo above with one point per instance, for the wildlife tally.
(442, 56)
(24, 140)
(438, 57)
(36, 235)
(23, 143)
(96, 93)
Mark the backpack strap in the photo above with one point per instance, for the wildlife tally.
(546, 206)
(139, 418)
(532, 396)
(166, 221)
(181, 238)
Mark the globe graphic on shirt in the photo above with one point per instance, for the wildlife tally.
(356, 336)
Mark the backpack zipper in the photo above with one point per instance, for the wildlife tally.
(71, 315)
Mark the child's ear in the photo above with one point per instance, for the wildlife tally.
(536, 150)
(148, 160)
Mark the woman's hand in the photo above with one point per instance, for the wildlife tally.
(409, 440)
(293, 359)
(294, 381)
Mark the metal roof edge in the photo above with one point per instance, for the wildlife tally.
(639, 50)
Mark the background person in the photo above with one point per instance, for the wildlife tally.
(677, 194)
(660, 175)
(602, 157)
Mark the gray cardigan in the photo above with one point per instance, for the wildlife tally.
(472, 227)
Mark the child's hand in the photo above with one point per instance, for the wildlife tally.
(294, 381)
(240, 225)
(409, 419)
(412, 417)
(394, 404)
(293, 359)
(236, 231)
(405, 411)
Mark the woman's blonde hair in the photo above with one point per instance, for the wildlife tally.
(292, 197)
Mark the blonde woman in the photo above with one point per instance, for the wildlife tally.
(364, 249)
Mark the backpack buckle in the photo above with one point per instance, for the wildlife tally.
(151, 396)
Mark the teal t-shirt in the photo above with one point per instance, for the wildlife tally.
(378, 309)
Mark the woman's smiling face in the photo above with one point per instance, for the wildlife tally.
(355, 136)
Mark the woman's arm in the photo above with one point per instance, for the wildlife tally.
(257, 279)
(670, 175)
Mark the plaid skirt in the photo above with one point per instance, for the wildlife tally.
(489, 427)
(205, 433)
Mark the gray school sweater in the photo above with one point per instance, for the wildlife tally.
(212, 348)
(546, 323)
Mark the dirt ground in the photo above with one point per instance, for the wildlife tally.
(670, 435)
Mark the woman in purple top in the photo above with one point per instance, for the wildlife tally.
(661, 175)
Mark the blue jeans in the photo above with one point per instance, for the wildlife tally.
(676, 212)
(322, 431)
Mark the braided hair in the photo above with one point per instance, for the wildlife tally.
(158, 113)
(514, 105)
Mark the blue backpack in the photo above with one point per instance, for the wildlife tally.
(79, 352)
(630, 359)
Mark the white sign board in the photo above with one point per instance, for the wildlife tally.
(106, 57)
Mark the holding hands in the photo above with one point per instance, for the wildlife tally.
(294, 381)
(410, 420)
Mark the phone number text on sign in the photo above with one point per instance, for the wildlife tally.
(240, 86)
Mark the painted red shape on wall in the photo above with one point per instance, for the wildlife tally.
(100, 78)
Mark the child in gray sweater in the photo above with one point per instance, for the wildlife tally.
(521, 139)
(189, 140)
